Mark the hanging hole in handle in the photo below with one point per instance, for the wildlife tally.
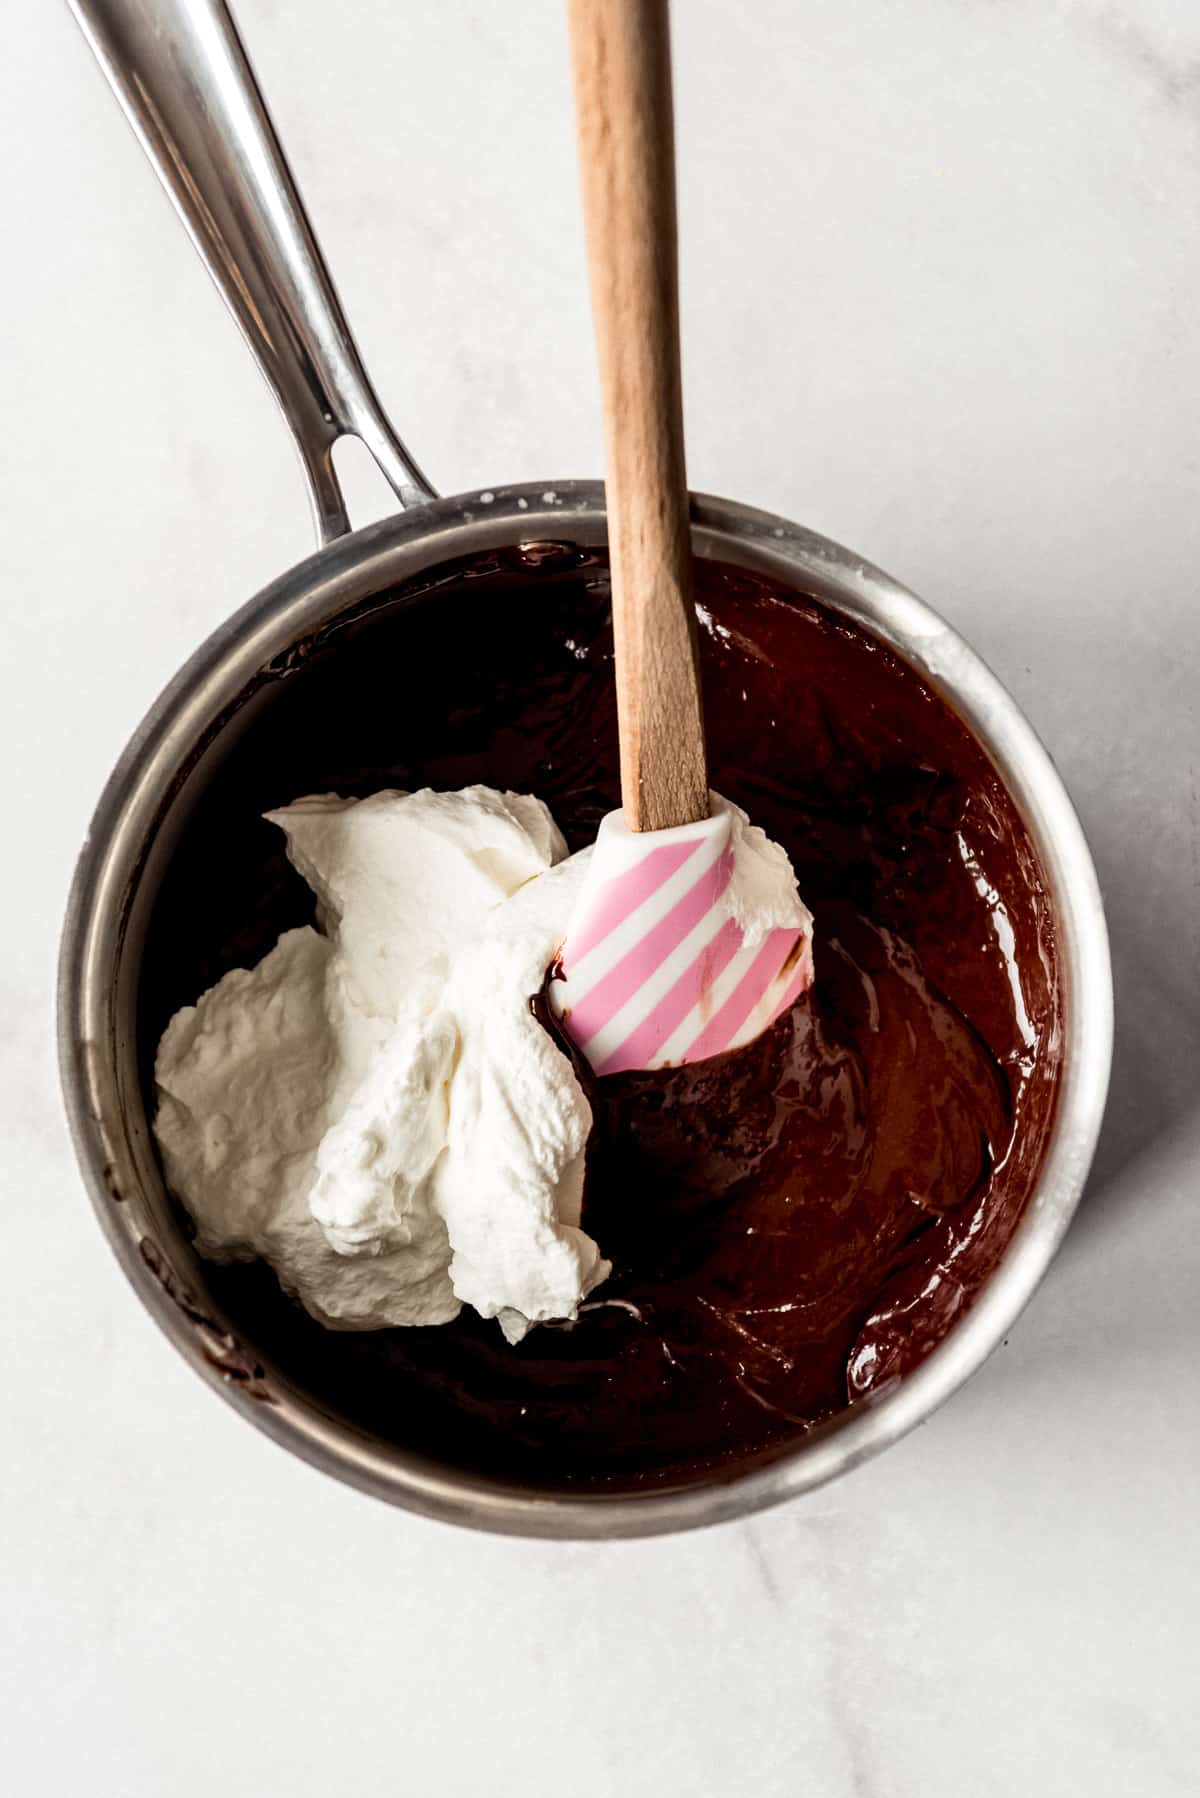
(366, 492)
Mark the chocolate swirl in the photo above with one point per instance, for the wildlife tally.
(792, 1226)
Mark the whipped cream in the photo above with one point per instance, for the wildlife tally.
(374, 1109)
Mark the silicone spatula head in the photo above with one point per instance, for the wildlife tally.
(675, 951)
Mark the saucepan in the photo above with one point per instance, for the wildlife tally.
(181, 74)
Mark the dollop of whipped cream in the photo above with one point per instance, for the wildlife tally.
(375, 1109)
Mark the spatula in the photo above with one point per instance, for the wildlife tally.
(666, 959)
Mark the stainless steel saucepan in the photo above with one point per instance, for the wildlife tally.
(180, 72)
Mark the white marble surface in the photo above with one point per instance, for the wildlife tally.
(942, 272)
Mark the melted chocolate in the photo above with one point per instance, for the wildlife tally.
(792, 1226)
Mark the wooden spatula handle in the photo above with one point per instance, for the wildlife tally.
(622, 62)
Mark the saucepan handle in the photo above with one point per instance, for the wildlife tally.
(181, 74)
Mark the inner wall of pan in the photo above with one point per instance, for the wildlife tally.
(164, 1220)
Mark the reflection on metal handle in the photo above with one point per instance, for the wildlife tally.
(180, 72)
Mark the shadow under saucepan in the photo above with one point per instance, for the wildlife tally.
(1153, 916)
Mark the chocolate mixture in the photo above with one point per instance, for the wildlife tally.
(792, 1226)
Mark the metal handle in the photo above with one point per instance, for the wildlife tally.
(180, 71)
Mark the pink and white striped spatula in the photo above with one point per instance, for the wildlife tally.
(665, 960)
